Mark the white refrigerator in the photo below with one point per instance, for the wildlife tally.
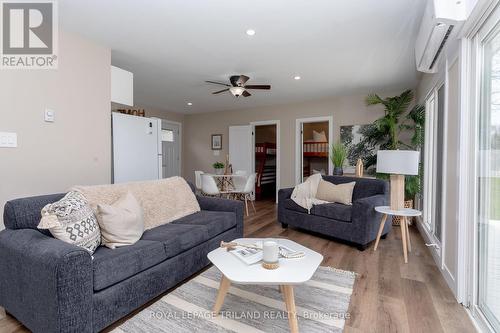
(137, 153)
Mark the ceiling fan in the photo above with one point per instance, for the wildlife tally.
(238, 87)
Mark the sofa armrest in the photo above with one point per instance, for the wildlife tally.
(366, 219)
(283, 194)
(224, 205)
(44, 282)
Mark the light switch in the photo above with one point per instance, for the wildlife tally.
(8, 140)
(49, 115)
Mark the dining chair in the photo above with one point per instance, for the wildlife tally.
(209, 186)
(240, 179)
(245, 193)
(197, 177)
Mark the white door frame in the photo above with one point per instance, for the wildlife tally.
(180, 140)
(278, 149)
(298, 142)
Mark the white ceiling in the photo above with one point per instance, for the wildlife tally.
(338, 47)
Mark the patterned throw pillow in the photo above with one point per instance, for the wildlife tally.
(72, 220)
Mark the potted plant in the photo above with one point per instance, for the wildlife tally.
(218, 168)
(386, 130)
(338, 155)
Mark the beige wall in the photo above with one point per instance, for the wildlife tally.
(346, 110)
(76, 148)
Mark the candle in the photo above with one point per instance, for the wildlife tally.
(270, 252)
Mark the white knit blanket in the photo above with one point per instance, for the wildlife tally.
(304, 194)
(162, 201)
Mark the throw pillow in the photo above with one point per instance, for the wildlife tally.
(72, 220)
(341, 193)
(319, 136)
(121, 223)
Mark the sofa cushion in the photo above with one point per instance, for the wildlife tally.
(216, 222)
(111, 266)
(334, 211)
(292, 205)
(177, 238)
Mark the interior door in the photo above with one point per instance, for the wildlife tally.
(240, 148)
(170, 145)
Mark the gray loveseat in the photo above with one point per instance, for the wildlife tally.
(53, 286)
(357, 224)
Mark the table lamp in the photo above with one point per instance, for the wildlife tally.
(398, 163)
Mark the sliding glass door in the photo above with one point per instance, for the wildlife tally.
(488, 179)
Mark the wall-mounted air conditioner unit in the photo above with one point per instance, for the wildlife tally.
(441, 19)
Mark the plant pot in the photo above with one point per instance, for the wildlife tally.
(219, 171)
(396, 220)
(338, 171)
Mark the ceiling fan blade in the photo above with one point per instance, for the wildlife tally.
(258, 86)
(214, 82)
(218, 92)
(246, 94)
(238, 80)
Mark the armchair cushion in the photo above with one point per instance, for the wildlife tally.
(334, 211)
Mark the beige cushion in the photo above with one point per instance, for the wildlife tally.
(319, 136)
(341, 193)
(121, 223)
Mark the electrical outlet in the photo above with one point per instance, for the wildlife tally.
(8, 140)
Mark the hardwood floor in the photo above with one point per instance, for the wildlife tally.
(389, 295)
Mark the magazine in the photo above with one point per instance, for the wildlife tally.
(253, 254)
(248, 255)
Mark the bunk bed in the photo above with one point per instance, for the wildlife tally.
(265, 166)
(311, 150)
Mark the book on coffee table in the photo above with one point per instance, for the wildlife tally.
(253, 254)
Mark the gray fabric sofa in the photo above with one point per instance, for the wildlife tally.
(53, 286)
(357, 224)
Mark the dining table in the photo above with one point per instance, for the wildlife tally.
(225, 181)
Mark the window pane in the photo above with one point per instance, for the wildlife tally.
(438, 213)
(489, 184)
(167, 135)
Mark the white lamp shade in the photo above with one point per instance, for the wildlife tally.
(398, 162)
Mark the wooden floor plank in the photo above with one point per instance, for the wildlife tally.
(389, 296)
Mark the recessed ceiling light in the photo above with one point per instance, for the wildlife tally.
(189, 103)
(250, 32)
(296, 77)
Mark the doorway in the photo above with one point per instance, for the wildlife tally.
(171, 148)
(313, 139)
(265, 161)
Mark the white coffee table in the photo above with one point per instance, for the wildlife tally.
(405, 233)
(290, 272)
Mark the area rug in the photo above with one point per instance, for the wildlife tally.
(322, 305)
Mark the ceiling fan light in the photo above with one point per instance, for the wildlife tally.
(236, 91)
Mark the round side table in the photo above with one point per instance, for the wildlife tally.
(405, 234)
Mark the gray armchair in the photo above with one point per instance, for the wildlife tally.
(357, 224)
